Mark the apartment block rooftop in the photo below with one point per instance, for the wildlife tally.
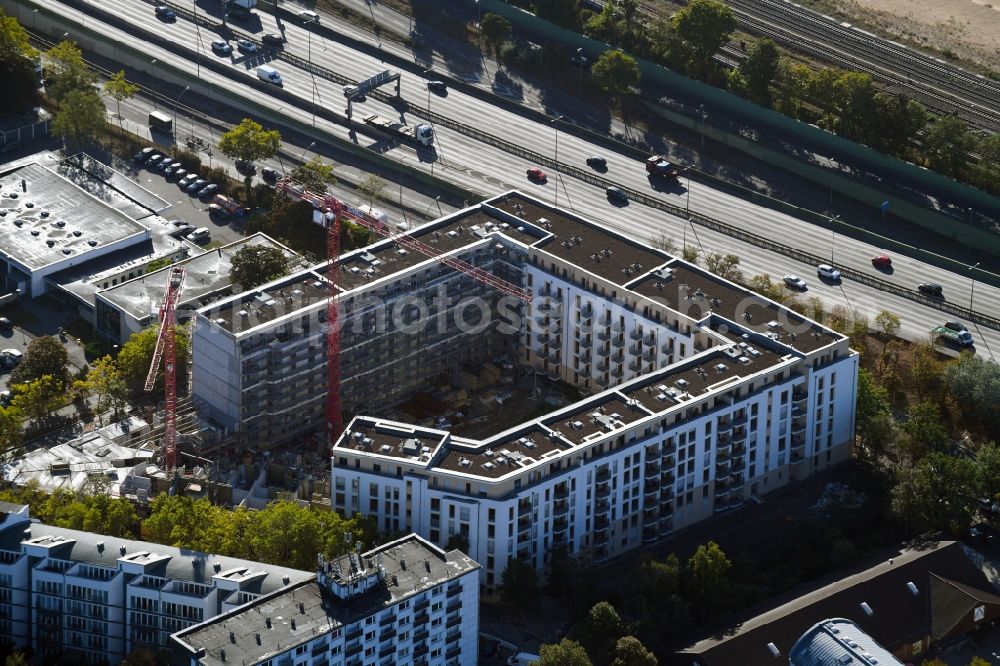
(347, 589)
(46, 218)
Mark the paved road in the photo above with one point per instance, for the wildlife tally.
(485, 169)
(479, 167)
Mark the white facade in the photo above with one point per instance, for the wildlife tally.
(405, 602)
(84, 598)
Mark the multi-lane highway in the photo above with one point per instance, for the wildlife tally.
(480, 167)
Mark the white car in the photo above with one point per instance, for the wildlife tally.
(309, 16)
(828, 272)
(795, 282)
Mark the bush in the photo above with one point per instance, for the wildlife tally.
(189, 159)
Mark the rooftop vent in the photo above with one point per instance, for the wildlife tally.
(66, 250)
(775, 652)
(92, 243)
(681, 383)
(293, 624)
(34, 232)
(77, 233)
(267, 622)
(867, 609)
(217, 566)
(122, 550)
(60, 223)
(232, 636)
(50, 243)
(284, 579)
(100, 546)
(913, 589)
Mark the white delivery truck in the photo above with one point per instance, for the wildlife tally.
(269, 74)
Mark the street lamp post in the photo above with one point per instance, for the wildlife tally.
(972, 291)
(833, 237)
(687, 197)
(555, 123)
(579, 55)
(34, 13)
(302, 157)
(701, 110)
(152, 64)
(402, 210)
(437, 200)
(175, 111)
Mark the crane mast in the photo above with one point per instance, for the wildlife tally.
(166, 349)
(335, 209)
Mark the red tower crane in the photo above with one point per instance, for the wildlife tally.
(166, 348)
(337, 208)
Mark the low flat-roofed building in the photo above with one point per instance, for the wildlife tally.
(405, 602)
(905, 600)
(134, 304)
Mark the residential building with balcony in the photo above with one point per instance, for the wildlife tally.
(83, 598)
(699, 395)
(405, 602)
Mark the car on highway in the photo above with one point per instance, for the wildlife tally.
(208, 190)
(196, 185)
(309, 16)
(795, 282)
(222, 47)
(882, 262)
(828, 272)
(956, 326)
(580, 61)
(615, 193)
(596, 162)
(246, 47)
(537, 175)
(269, 175)
(165, 13)
(930, 289)
(187, 180)
(246, 167)
(437, 86)
(273, 41)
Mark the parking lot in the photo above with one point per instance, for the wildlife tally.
(183, 206)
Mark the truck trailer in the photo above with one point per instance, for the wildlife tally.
(658, 165)
(954, 333)
(422, 134)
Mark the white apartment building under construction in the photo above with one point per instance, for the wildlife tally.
(698, 393)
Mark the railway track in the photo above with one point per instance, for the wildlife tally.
(942, 86)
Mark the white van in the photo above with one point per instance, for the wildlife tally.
(269, 74)
(523, 659)
(199, 234)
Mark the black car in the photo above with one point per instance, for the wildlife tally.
(616, 193)
(597, 162)
(273, 41)
(437, 86)
(930, 289)
(165, 13)
(269, 175)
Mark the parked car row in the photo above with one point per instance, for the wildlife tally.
(155, 160)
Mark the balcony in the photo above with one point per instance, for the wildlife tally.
(651, 486)
(668, 460)
(586, 311)
(739, 434)
(649, 355)
(387, 621)
(603, 475)
(635, 334)
(724, 425)
(618, 327)
(650, 514)
(550, 307)
(603, 336)
(798, 425)
(453, 606)
(799, 396)
(722, 451)
(602, 489)
(604, 320)
(666, 508)
(554, 356)
(421, 605)
(560, 525)
(453, 621)
(618, 341)
(739, 451)
(421, 635)
(650, 534)
(617, 371)
(652, 469)
(635, 365)
(601, 524)
(601, 538)
(798, 459)
(583, 357)
(667, 491)
(602, 507)
(453, 652)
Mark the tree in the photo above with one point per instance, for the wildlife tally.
(989, 152)
(926, 370)
(709, 572)
(249, 142)
(924, 430)
(119, 88)
(14, 41)
(69, 70)
(823, 93)
(314, 175)
(254, 265)
(519, 585)
(856, 105)
(615, 72)
(629, 651)
(690, 254)
(793, 86)
(563, 653)
(106, 382)
(141, 657)
(938, 494)
(948, 144)
(975, 384)
(760, 68)
(603, 25)
(704, 25)
(988, 471)
(38, 398)
(887, 323)
(286, 534)
(599, 631)
(458, 541)
(81, 116)
(16, 659)
(898, 121)
(11, 428)
(136, 354)
(768, 288)
(45, 355)
(872, 406)
(726, 266)
(371, 188)
(495, 30)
